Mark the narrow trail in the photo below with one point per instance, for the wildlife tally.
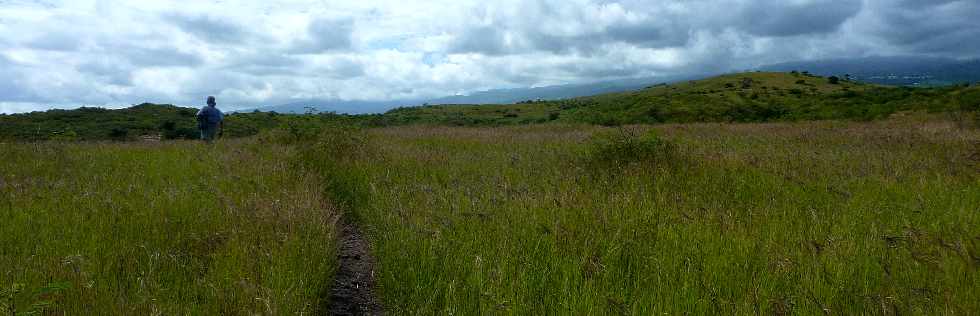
(353, 289)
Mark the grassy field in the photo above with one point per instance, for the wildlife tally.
(776, 218)
(161, 229)
(803, 218)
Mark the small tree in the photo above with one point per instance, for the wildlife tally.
(168, 125)
(833, 80)
(118, 133)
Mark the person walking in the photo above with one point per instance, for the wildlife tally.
(211, 121)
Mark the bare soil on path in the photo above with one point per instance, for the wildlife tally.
(353, 289)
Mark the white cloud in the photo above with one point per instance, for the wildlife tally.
(249, 53)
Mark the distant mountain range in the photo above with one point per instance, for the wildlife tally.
(498, 96)
(339, 106)
(507, 96)
(900, 70)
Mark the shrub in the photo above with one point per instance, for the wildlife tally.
(624, 147)
(168, 125)
(118, 133)
(301, 130)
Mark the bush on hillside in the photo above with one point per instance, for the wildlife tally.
(118, 133)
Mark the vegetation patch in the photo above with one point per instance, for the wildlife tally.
(802, 218)
(336, 155)
(622, 147)
(161, 228)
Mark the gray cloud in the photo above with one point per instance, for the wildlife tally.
(56, 41)
(267, 64)
(533, 26)
(114, 73)
(942, 27)
(649, 33)
(599, 71)
(9, 90)
(344, 68)
(211, 29)
(323, 35)
(160, 57)
(484, 39)
(786, 18)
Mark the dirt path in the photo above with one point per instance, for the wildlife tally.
(353, 288)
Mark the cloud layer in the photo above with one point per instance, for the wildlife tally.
(115, 53)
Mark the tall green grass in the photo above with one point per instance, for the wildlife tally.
(808, 218)
(167, 228)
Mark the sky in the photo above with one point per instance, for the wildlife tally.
(63, 54)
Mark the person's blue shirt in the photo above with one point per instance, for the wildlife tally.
(209, 115)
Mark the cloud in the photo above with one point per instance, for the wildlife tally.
(56, 41)
(114, 53)
(585, 27)
(10, 86)
(649, 33)
(114, 73)
(945, 27)
(484, 39)
(788, 18)
(160, 57)
(260, 64)
(210, 28)
(323, 35)
(342, 68)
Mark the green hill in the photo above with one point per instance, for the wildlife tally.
(97, 123)
(150, 120)
(742, 97)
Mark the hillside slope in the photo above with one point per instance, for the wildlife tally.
(742, 97)
(144, 120)
(97, 123)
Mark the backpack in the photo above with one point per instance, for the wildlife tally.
(202, 119)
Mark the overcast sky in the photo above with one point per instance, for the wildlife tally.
(250, 53)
